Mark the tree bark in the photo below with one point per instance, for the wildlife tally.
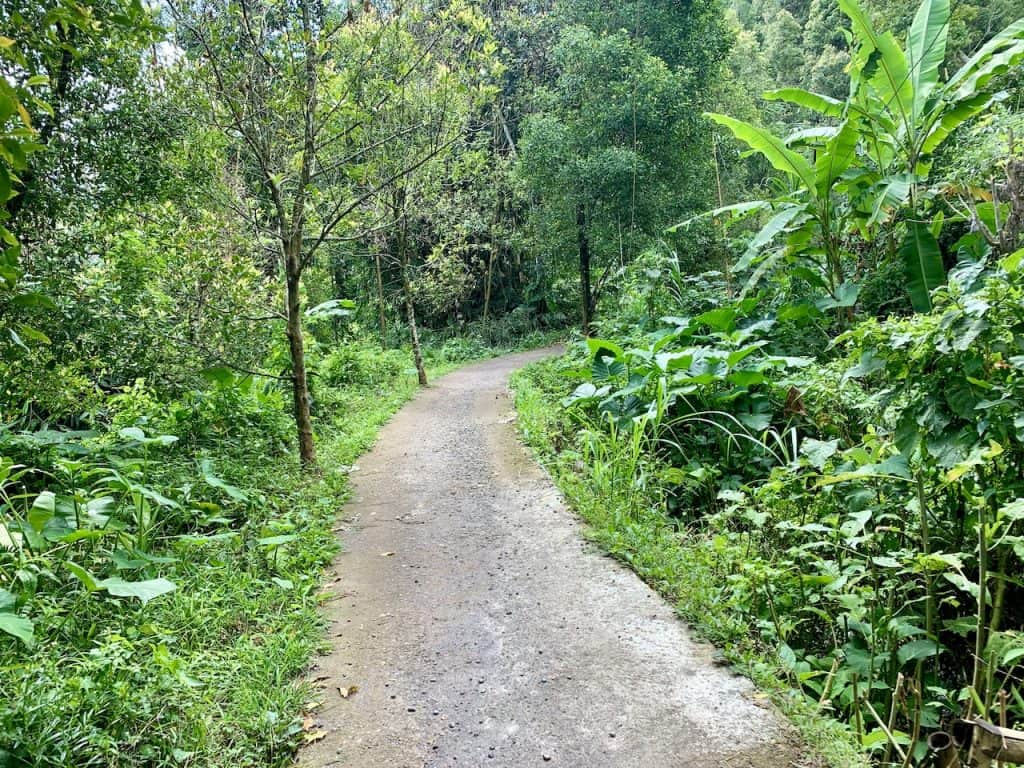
(410, 314)
(410, 309)
(586, 294)
(300, 382)
(380, 301)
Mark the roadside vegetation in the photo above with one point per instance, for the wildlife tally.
(816, 448)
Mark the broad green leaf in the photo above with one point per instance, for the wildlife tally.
(132, 433)
(916, 650)
(824, 105)
(143, 590)
(816, 135)
(926, 50)
(746, 378)
(1012, 262)
(892, 81)
(212, 480)
(953, 118)
(221, 376)
(276, 541)
(42, 510)
(332, 308)
(605, 367)
(19, 627)
(888, 195)
(771, 146)
(838, 155)
(721, 319)
(738, 209)
(922, 261)
(599, 346)
(980, 67)
(819, 451)
(766, 266)
(768, 232)
(33, 334)
(845, 296)
(33, 299)
(80, 573)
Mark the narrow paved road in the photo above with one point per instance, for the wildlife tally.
(482, 630)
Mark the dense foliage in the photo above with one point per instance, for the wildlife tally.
(817, 447)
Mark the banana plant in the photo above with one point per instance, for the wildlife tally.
(907, 113)
(877, 150)
(811, 218)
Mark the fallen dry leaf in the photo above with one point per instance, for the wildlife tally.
(349, 691)
(309, 738)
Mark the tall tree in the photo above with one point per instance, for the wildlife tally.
(294, 86)
(605, 151)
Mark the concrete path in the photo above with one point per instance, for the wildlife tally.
(481, 630)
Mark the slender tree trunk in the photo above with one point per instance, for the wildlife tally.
(410, 314)
(586, 294)
(300, 383)
(487, 286)
(410, 309)
(380, 302)
(490, 267)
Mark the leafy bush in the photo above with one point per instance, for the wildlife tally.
(361, 365)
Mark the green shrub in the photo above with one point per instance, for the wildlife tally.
(361, 365)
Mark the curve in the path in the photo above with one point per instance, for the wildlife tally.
(482, 630)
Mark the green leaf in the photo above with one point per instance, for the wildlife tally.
(889, 194)
(922, 261)
(212, 480)
(819, 451)
(33, 299)
(721, 319)
(926, 50)
(768, 232)
(823, 105)
(276, 541)
(953, 118)
(846, 296)
(606, 367)
(19, 627)
(771, 146)
(42, 510)
(143, 590)
(1012, 262)
(132, 433)
(604, 347)
(998, 54)
(839, 153)
(892, 81)
(221, 376)
(739, 209)
(80, 573)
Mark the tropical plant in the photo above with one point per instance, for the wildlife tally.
(872, 158)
